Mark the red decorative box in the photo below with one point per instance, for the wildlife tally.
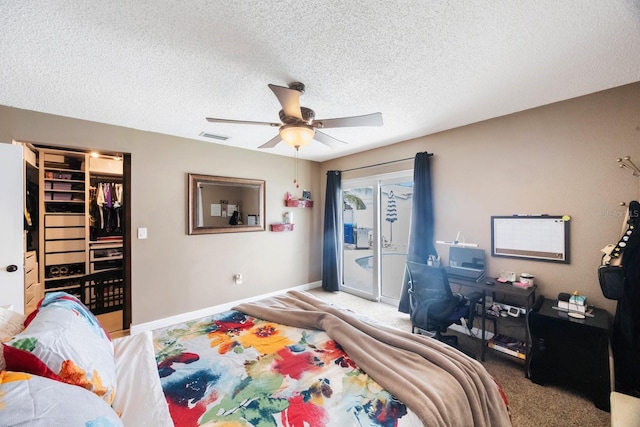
(297, 203)
(281, 227)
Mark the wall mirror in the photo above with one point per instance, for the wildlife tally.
(220, 204)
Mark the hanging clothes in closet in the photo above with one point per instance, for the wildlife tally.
(105, 209)
(31, 213)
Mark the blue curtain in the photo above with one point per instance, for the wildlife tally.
(331, 261)
(421, 230)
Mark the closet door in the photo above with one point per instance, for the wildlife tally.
(11, 226)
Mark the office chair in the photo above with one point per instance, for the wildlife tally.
(433, 306)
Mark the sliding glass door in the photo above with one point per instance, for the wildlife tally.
(360, 234)
(376, 215)
(395, 198)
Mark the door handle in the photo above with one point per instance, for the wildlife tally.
(11, 268)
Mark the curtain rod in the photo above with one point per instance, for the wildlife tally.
(384, 163)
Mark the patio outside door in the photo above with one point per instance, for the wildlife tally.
(376, 215)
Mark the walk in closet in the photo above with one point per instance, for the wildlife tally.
(79, 233)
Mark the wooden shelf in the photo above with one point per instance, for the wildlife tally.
(281, 227)
(297, 203)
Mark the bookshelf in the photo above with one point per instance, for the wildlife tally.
(507, 295)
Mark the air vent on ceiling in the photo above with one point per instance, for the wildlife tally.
(213, 136)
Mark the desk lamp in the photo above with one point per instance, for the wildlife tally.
(457, 242)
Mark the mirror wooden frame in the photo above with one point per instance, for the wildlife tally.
(257, 209)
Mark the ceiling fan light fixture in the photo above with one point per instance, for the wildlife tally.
(297, 135)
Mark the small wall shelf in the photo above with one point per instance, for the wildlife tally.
(281, 227)
(297, 203)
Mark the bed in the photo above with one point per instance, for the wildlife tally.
(291, 360)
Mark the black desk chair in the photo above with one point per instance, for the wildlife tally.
(433, 306)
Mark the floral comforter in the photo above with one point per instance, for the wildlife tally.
(233, 369)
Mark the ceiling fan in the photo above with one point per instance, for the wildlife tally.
(298, 124)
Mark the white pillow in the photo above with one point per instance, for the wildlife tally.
(140, 400)
(30, 400)
(11, 323)
(64, 341)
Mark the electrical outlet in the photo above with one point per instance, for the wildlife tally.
(238, 279)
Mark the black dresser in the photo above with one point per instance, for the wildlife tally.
(571, 352)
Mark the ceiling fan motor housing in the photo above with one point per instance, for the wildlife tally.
(307, 116)
(297, 86)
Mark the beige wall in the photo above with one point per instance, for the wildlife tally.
(173, 272)
(556, 159)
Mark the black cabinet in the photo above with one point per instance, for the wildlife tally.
(571, 352)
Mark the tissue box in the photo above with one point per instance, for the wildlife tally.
(578, 299)
(576, 303)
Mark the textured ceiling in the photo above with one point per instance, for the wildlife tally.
(165, 65)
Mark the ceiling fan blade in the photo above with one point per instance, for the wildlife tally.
(374, 119)
(272, 142)
(328, 140)
(289, 99)
(242, 122)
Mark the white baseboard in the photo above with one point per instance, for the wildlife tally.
(185, 317)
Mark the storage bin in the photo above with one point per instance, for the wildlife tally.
(64, 220)
(53, 158)
(57, 196)
(106, 253)
(106, 265)
(64, 245)
(64, 233)
(64, 258)
(61, 185)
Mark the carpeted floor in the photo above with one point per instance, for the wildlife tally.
(531, 404)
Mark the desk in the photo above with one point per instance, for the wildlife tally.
(571, 351)
(528, 295)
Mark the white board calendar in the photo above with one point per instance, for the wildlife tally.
(535, 237)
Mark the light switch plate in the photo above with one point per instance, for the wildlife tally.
(142, 233)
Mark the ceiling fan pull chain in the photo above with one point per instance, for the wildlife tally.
(295, 180)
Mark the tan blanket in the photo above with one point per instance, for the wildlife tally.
(440, 384)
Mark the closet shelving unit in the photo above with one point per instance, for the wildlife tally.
(105, 247)
(63, 214)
